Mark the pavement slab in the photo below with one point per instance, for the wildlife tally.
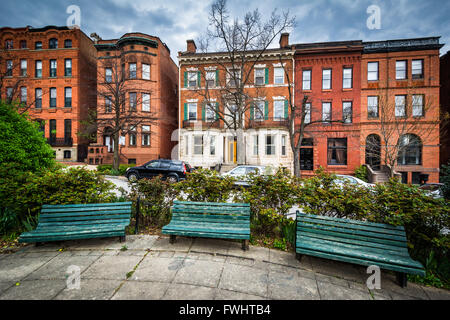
(34, 290)
(192, 268)
(145, 290)
(111, 267)
(90, 289)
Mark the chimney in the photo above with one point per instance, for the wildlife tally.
(284, 40)
(191, 47)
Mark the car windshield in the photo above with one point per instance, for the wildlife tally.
(238, 171)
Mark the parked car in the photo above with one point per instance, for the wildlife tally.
(241, 173)
(435, 190)
(342, 179)
(170, 170)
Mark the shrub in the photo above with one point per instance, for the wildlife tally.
(22, 145)
(361, 173)
(445, 179)
(275, 191)
(206, 185)
(107, 169)
(157, 197)
(24, 193)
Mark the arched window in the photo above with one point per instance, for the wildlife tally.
(53, 43)
(409, 150)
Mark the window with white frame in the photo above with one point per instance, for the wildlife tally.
(192, 111)
(38, 69)
(306, 80)
(372, 71)
(278, 75)
(198, 145)
(372, 106)
(278, 110)
(259, 76)
(308, 112)
(122, 140)
(347, 111)
(108, 75)
(132, 101)
(145, 102)
(210, 77)
(326, 111)
(417, 69)
(283, 145)
(23, 94)
(417, 105)
(259, 110)
(23, 68)
(108, 104)
(212, 145)
(270, 144)
(347, 78)
(234, 77)
(255, 145)
(145, 135)
(400, 70)
(400, 106)
(210, 111)
(132, 70)
(192, 79)
(326, 79)
(231, 114)
(145, 71)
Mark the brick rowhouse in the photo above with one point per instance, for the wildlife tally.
(329, 75)
(54, 70)
(445, 107)
(146, 64)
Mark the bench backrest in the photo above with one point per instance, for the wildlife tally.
(353, 232)
(211, 212)
(97, 213)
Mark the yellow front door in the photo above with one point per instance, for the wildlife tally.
(232, 151)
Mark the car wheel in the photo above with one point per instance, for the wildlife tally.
(172, 179)
(132, 177)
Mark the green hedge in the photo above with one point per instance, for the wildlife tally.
(108, 170)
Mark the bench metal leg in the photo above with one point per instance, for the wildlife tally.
(402, 279)
(38, 244)
(245, 245)
(298, 256)
(173, 239)
(122, 238)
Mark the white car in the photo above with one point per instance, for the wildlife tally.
(240, 173)
(342, 179)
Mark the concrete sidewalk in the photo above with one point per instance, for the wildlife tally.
(202, 269)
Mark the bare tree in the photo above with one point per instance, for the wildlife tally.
(239, 45)
(406, 123)
(118, 113)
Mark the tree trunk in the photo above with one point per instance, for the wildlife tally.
(240, 147)
(297, 163)
(116, 158)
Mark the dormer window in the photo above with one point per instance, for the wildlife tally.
(68, 43)
(38, 45)
(9, 44)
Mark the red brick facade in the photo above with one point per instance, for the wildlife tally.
(150, 75)
(36, 47)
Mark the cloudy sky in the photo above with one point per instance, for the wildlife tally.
(174, 21)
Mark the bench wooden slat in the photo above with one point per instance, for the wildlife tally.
(342, 230)
(80, 221)
(210, 220)
(344, 224)
(363, 262)
(359, 242)
(401, 247)
(87, 205)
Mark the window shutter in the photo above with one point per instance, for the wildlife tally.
(185, 79)
(185, 112)
(203, 112)
(199, 78)
(286, 109)
(266, 110)
(217, 77)
(217, 109)
(252, 112)
(267, 76)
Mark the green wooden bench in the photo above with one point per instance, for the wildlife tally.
(210, 220)
(80, 221)
(359, 242)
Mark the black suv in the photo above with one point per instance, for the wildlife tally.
(172, 170)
